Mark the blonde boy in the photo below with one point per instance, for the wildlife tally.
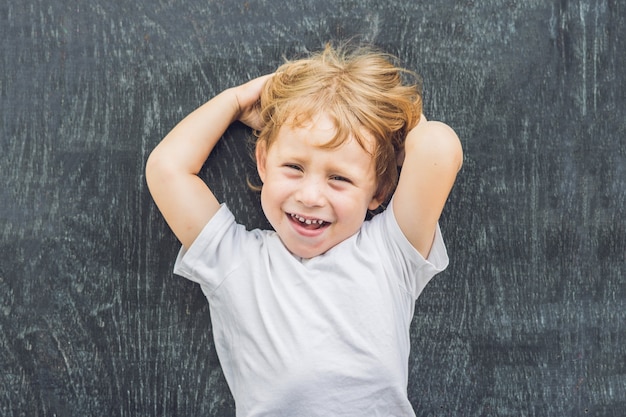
(312, 318)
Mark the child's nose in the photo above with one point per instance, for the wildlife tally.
(310, 194)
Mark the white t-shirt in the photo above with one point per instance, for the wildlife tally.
(327, 336)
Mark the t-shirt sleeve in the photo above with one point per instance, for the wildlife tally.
(214, 254)
(413, 270)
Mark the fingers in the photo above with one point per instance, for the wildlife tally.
(255, 86)
(248, 94)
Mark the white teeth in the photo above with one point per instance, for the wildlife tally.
(306, 221)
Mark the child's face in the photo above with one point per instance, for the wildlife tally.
(315, 197)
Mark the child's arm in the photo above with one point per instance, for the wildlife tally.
(185, 201)
(433, 156)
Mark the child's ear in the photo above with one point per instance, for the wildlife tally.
(261, 157)
(374, 204)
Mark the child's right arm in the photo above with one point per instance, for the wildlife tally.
(186, 202)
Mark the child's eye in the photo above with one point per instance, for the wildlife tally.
(340, 178)
(293, 166)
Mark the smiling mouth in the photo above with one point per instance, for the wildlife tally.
(308, 223)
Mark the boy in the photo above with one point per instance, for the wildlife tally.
(312, 319)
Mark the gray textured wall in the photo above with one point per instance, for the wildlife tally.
(530, 318)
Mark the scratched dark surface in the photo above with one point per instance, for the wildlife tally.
(530, 317)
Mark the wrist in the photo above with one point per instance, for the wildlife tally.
(229, 101)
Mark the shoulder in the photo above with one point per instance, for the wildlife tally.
(389, 246)
(386, 235)
(222, 246)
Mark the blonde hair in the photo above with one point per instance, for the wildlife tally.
(360, 89)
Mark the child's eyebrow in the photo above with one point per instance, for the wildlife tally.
(354, 172)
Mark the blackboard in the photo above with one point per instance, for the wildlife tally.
(528, 320)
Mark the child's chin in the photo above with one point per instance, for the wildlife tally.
(307, 253)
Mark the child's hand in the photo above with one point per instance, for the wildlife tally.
(248, 96)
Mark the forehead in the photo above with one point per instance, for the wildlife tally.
(317, 131)
(324, 131)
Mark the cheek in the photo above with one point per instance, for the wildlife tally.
(352, 207)
(266, 197)
(269, 209)
(272, 196)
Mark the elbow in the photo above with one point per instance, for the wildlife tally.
(451, 145)
(156, 169)
(438, 143)
(152, 167)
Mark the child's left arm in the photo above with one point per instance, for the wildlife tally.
(433, 156)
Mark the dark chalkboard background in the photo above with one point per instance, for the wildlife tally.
(530, 318)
